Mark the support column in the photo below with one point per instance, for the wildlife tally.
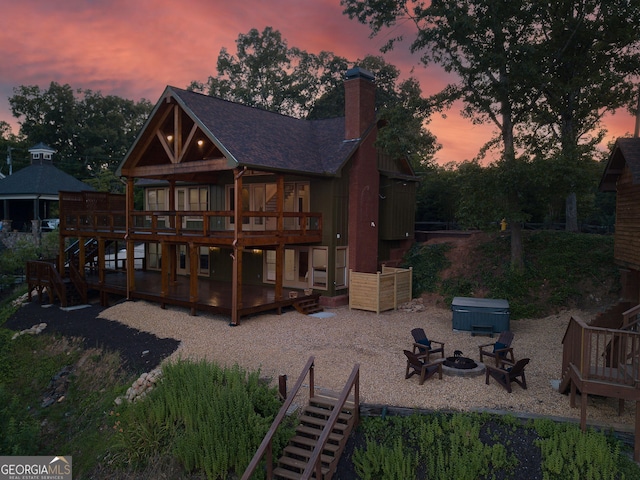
(131, 279)
(279, 271)
(164, 288)
(236, 277)
(193, 276)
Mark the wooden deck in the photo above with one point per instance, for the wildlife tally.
(213, 296)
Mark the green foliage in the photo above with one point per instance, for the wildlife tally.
(559, 266)
(427, 261)
(567, 452)
(211, 418)
(444, 446)
(90, 132)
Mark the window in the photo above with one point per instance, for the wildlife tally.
(154, 256)
(203, 267)
(270, 266)
(156, 199)
(262, 197)
(319, 257)
(341, 267)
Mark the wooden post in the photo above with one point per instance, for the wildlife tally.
(165, 269)
(131, 279)
(193, 276)
(236, 277)
(279, 271)
(636, 441)
(81, 256)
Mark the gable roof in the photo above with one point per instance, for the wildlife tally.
(39, 179)
(256, 138)
(626, 152)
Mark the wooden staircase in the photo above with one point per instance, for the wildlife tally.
(308, 305)
(320, 438)
(313, 420)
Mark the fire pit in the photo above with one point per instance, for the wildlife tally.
(460, 366)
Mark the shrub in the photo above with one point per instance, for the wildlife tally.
(211, 419)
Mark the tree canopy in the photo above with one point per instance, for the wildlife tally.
(525, 66)
(266, 73)
(90, 132)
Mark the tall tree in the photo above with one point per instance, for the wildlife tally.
(90, 132)
(265, 72)
(486, 43)
(588, 58)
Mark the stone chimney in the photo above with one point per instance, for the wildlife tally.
(364, 178)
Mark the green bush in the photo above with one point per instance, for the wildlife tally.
(211, 418)
(567, 452)
(559, 266)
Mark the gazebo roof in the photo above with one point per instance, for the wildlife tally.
(36, 180)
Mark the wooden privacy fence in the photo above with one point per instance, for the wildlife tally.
(381, 291)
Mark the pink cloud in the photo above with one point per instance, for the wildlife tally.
(135, 48)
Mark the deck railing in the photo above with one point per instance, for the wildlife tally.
(602, 354)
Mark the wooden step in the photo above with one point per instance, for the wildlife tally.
(297, 466)
(326, 412)
(315, 433)
(311, 442)
(321, 422)
(307, 306)
(305, 454)
(280, 472)
(326, 400)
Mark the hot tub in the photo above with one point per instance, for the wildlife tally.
(480, 315)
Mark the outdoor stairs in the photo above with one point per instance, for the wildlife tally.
(73, 297)
(308, 305)
(312, 421)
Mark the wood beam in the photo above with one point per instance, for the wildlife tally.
(193, 279)
(201, 166)
(166, 146)
(193, 131)
(129, 202)
(165, 259)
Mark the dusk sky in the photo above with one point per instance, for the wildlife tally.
(134, 48)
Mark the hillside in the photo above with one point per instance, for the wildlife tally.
(562, 270)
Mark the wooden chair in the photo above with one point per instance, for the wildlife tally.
(424, 347)
(500, 350)
(504, 376)
(417, 365)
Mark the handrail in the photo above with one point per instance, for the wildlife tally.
(265, 446)
(314, 462)
(44, 273)
(628, 314)
(78, 281)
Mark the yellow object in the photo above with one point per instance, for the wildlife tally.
(503, 225)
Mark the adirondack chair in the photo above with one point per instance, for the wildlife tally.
(423, 347)
(505, 376)
(501, 350)
(417, 365)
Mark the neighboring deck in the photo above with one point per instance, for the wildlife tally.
(604, 362)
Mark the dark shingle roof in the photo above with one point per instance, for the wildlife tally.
(259, 138)
(626, 151)
(40, 180)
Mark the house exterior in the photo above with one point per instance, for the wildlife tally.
(240, 196)
(622, 175)
(29, 195)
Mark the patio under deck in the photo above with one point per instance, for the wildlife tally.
(213, 296)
